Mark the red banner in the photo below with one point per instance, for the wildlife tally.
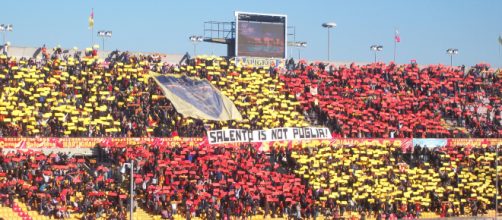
(92, 142)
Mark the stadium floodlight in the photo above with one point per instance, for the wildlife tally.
(5, 28)
(375, 49)
(103, 35)
(452, 52)
(298, 44)
(195, 40)
(329, 25)
(302, 45)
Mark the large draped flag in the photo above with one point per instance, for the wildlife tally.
(196, 98)
(91, 19)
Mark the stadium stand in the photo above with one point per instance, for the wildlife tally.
(257, 92)
(86, 97)
(381, 179)
(72, 96)
(379, 100)
(225, 181)
(317, 179)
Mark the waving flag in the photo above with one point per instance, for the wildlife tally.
(500, 39)
(397, 38)
(91, 19)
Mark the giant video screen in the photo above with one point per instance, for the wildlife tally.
(261, 35)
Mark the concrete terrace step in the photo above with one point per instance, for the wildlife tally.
(141, 214)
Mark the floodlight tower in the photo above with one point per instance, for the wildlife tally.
(329, 26)
(375, 49)
(103, 35)
(452, 52)
(195, 40)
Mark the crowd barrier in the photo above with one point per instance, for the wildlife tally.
(405, 143)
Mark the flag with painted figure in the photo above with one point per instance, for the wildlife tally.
(196, 98)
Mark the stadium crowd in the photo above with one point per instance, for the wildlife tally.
(208, 182)
(373, 180)
(56, 185)
(82, 96)
(256, 92)
(382, 180)
(73, 96)
(380, 100)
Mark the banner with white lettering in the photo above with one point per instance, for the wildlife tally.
(275, 134)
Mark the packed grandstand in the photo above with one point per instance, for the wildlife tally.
(81, 97)
(377, 166)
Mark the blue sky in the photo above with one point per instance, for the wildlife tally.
(427, 27)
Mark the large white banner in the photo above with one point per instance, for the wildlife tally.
(275, 134)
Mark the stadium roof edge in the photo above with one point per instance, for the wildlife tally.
(26, 51)
(20, 51)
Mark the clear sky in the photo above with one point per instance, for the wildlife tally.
(427, 27)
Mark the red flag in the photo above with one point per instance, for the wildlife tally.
(397, 38)
(21, 145)
(56, 141)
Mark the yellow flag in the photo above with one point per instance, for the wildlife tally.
(91, 19)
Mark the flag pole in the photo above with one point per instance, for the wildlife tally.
(395, 45)
(500, 44)
(92, 29)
